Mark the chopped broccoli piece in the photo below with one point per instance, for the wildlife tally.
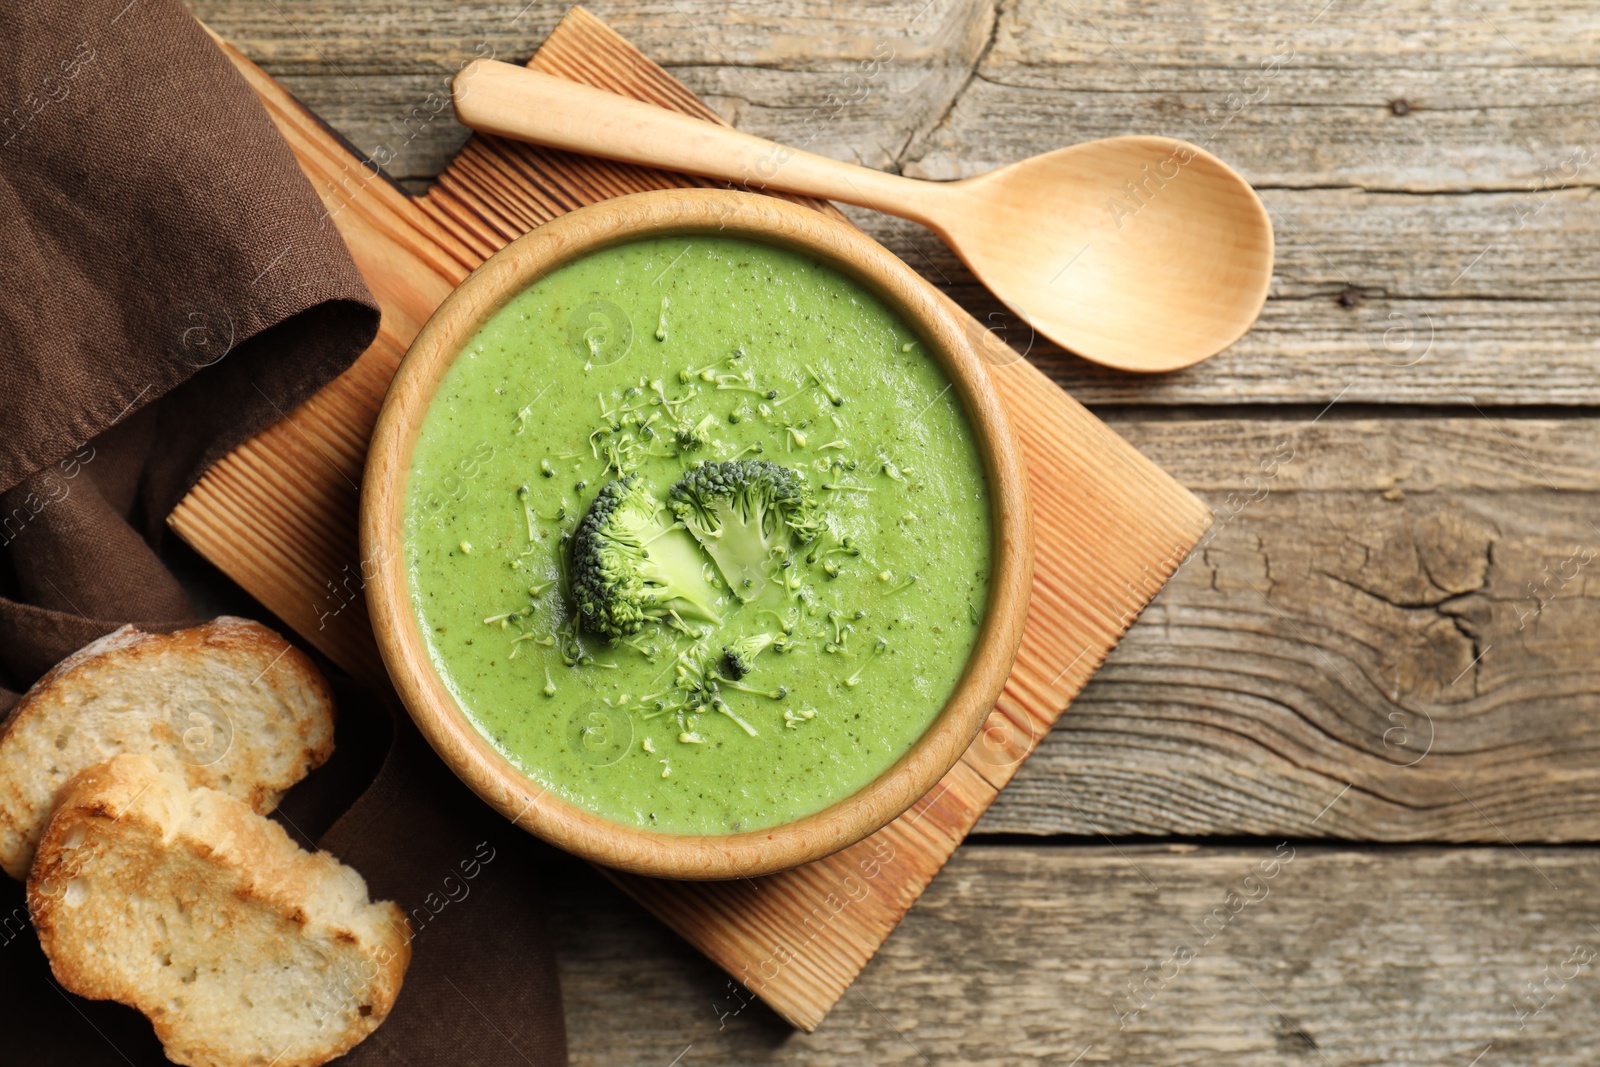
(878, 649)
(771, 694)
(744, 512)
(739, 658)
(632, 565)
(693, 438)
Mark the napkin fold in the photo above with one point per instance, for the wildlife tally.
(170, 285)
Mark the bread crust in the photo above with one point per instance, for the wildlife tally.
(238, 945)
(238, 674)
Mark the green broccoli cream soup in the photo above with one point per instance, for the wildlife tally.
(698, 534)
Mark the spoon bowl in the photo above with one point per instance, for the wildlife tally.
(1140, 253)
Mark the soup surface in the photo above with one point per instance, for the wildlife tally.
(644, 361)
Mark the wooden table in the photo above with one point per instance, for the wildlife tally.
(1327, 803)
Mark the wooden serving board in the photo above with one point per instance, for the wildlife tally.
(279, 516)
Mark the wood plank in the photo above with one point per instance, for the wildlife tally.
(1398, 606)
(773, 70)
(1295, 94)
(1491, 89)
(277, 515)
(798, 35)
(1343, 957)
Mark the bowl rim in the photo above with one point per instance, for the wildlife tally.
(470, 755)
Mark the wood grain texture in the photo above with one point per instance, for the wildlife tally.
(772, 70)
(1112, 526)
(1344, 957)
(1489, 89)
(1405, 608)
(1486, 160)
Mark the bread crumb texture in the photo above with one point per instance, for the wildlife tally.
(230, 705)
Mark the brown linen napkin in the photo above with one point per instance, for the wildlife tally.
(154, 226)
(169, 286)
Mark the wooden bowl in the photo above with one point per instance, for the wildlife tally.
(447, 728)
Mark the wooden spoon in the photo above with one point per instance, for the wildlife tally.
(1142, 253)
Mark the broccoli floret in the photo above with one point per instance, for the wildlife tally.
(694, 438)
(632, 565)
(739, 658)
(743, 512)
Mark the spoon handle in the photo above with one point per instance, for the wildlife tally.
(525, 105)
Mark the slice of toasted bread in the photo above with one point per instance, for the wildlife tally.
(240, 947)
(231, 703)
